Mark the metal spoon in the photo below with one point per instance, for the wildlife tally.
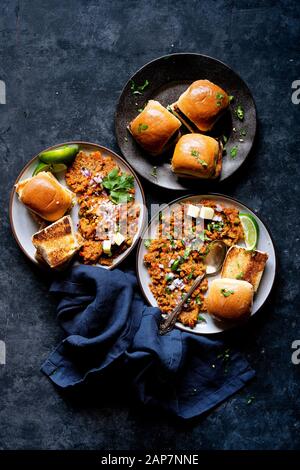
(214, 261)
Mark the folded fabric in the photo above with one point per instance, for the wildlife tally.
(108, 324)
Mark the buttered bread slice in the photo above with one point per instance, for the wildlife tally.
(57, 243)
(243, 264)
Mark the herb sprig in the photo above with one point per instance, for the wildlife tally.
(138, 89)
(119, 186)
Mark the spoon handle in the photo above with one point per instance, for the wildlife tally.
(168, 323)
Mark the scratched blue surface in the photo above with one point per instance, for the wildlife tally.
(64, 65)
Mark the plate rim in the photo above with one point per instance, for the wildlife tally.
(197, 54)
(237, 325)
(78, 142)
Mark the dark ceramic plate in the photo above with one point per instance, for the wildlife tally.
(168, 77)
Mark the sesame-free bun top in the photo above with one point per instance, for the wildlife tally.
(203, 103)
(154, 127)
(229, 299)
(45, 196)
(197, 156)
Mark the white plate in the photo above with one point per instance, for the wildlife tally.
(24, 226)
(264, 244)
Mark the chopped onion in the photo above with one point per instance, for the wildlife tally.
(98, 179)
(86, 172)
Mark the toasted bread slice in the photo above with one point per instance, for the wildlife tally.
(245, 265)
(57, 243)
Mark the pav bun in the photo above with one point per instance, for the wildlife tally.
(155, 128)
(45, 196)
(230, 299)
(197, 156)
(201, 105)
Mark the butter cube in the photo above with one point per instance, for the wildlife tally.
(106, 246)
(118, 238)
(193, 211)
(206, 212)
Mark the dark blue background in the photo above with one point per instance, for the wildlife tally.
(64, 64)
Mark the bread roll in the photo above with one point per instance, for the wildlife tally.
(197, 156)
(230, 299)
(201, 105)
(45, 196)
(154, 128)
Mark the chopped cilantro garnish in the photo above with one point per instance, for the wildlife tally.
(240, 275)
(138, 89)
(219, 97)
(227, 292)
(250, 400)
(239, 112)
(147, 243)
(169, 108)
(142, 127)
(175, 266)
(234, 151)
(154, 172)
(201, 319)
(225, 356)
(195, 153)
(203, 237)
(217, 226)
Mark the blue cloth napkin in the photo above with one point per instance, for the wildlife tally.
(108, 326)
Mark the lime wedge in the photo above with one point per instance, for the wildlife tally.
(58, 167)
(63, 154)
(251, 230)
(41, 166)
